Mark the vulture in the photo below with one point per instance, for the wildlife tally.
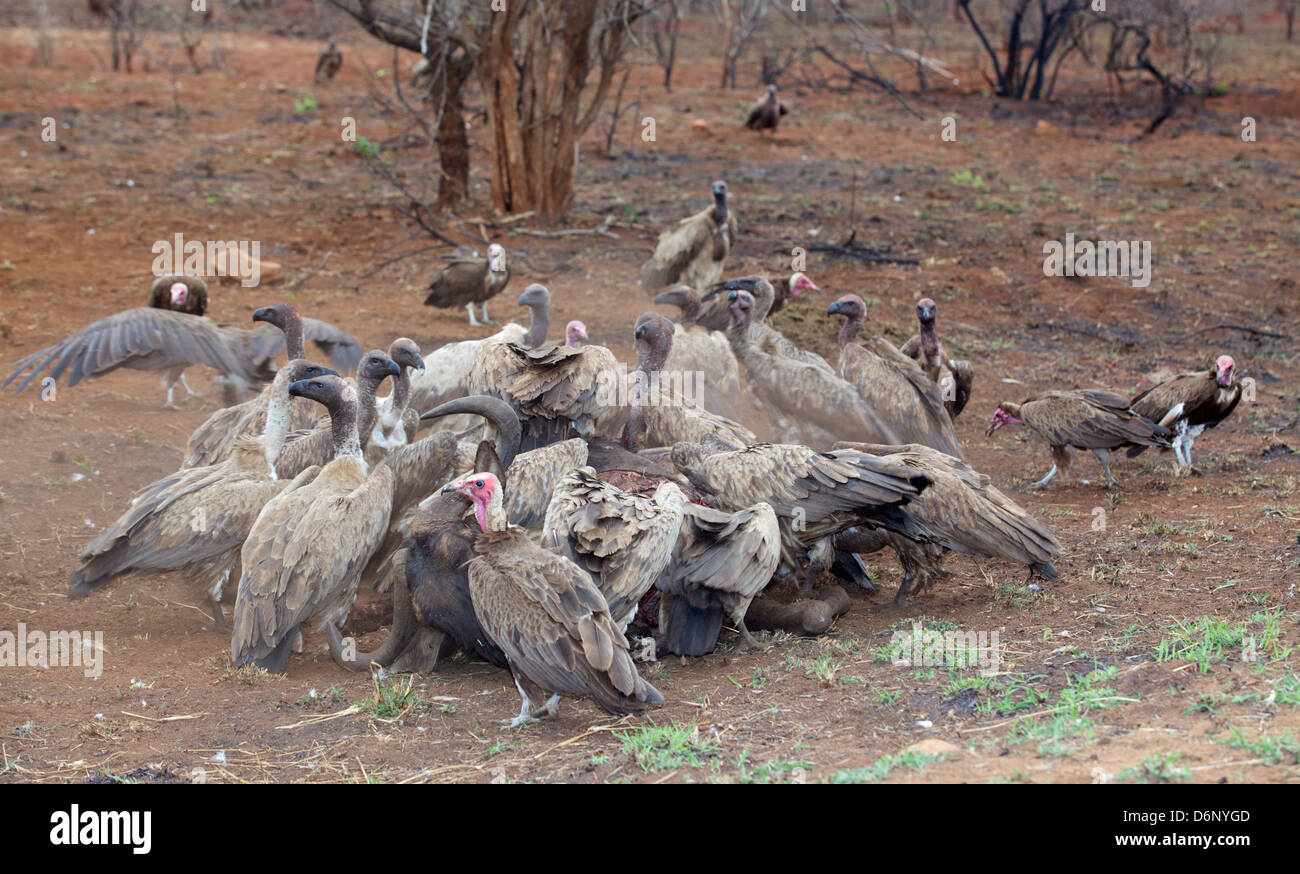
(546, 615)
(195, 520)
(149, 338)
(801, 390)
(1084, 419)
(964, 513)
(548, 388)
(397, 422)
(711, 311)
(1190, 403)
(703, 352)
(316, 447)
(720, 562)
(622, 539)
(892, 383)
(692, 252)
(328, 63)
(471, 280)
(767, 338)
(303, 557)
(447, 370)
(766, 112)
(212, 441)
(954, 377)
(339, 347)
(815, 495)
(657, 412)
(575, 333)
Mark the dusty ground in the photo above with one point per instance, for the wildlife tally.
(1130, 667)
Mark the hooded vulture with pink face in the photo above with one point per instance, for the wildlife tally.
(693, 251)
(547, 616)
(302, 560)
(892, 383)
(955, 378)
(711, 313)
(1190, 403)
(183, 294)
(1085, 419)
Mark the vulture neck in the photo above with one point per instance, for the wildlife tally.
(277, 416)
(929, 341)
(849, 330)
(492, 515)
(343, 424)
(400, 398)
(719, 209)
(689, 303)
(365, 405)
(293, 337)
(541, 323)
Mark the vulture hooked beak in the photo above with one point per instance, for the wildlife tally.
(837, 309)
(1001, 417)
(1224, 366)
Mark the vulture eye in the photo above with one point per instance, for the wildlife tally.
(478, 484)
(732, 296)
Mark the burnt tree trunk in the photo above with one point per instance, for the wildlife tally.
(453, 139)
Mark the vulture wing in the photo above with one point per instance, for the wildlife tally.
(894, 385)
(535, 476)
(459, 283)
(1089, 420)
(550, 620)
(143, 338)
(678, 247)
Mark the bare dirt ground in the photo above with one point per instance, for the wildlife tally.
(1130, 667)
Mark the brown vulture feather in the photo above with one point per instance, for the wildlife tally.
(302, 560)
(1082, 419)
(327, 65)
(692, 252)
(765, 113)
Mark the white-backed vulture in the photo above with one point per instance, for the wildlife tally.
(195, 520)
(396, 423)
(815, 494)
(471, 280)
(711, 311)
(765, 112)
(720, 562)
(328, 63)
(1188, 404)
(892, 383)
(549, 388)
(623, 540)
(212, 441)
(705, 352)
(448, 369)
(964, 513)
(1084, 419)
(546, 615)
(306, 449)
(302, 560)
(955, 378)
(801, 391)
(659, 406)
(692, 252)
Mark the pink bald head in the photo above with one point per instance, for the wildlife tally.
(575, 333)
(479, 488)
(180, 291)
(1224, 366)
(799, 282)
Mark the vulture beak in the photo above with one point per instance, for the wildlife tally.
(834, 309)
(997, 423)
(453, 488)
(392, 368)
(926, 314)
(419, 365)
(264, 314)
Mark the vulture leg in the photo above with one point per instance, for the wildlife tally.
(525, 708)
(486, 319)
(1042, 483)
(473, 321)
(747, 640)
(551, 707)
(905, 586)
(214, 598)
(820, 558)
(1103, 455)
(189, 391)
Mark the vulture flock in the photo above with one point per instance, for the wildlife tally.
(560, 514)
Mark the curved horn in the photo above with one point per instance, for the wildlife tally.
(399, 638)
(496, 411)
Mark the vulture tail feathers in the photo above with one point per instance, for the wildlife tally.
(847, 566)
(274, 661)
(689, 630)
(1045, 569)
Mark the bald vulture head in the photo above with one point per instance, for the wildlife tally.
(405, 352)
(330, 392)
(376, 365)
(281, 315)
(301, 368)
(800, 282)
(849, 305)
(1006, 414)
(575, 333)
(534, 296)
(496, 258)
(925, 311)
(1224, 367)
(684, 298)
